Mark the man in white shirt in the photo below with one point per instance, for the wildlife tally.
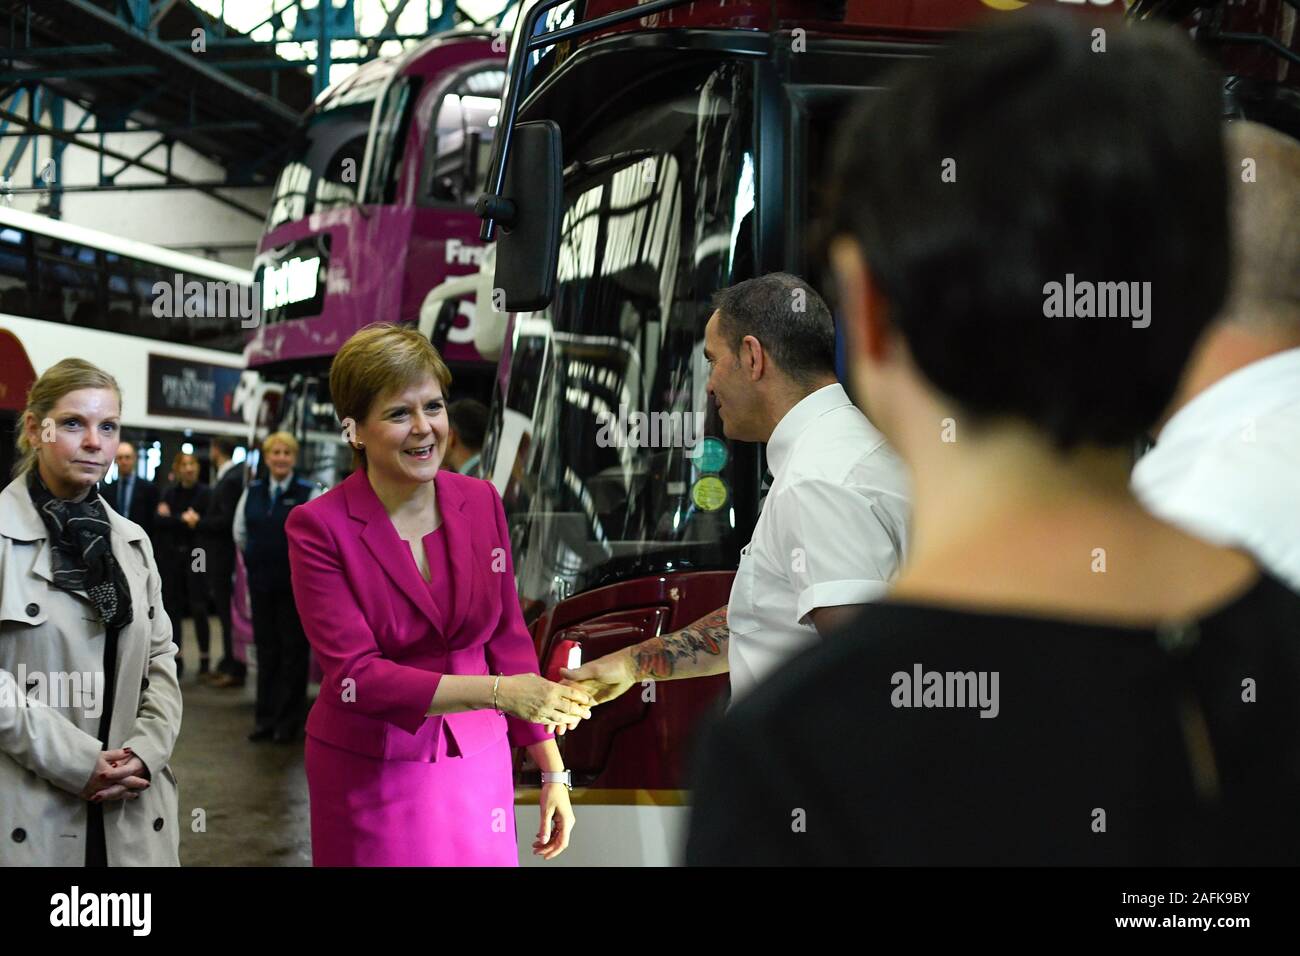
(1226, 464)
(833, 529)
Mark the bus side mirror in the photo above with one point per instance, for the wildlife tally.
(528, 216)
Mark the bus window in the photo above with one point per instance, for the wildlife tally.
(390, 139)
(610, 478)
(122, 302)
(15, 280)
(325, 166)
(464, 124)
(67, 278)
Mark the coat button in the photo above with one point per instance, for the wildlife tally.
(19, 835)
(151, 614)
(144, 684)
(33, 610)
(158, 824)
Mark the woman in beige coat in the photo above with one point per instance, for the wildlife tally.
(89, 702)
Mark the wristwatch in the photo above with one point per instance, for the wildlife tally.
(558, 776)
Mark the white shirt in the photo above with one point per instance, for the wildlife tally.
(832, 531)
(1226, 467)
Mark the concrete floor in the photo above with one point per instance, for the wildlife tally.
(253, 797)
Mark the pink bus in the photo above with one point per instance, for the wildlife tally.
(372, 211)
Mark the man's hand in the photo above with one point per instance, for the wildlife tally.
(604, 678)
(164, 510)
(190, 517)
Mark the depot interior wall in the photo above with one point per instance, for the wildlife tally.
(182, 219)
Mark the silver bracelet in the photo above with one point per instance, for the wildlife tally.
(495, 684)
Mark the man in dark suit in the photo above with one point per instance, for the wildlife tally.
(216, 529)
(131, 496)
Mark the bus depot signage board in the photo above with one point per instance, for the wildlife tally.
(186, 389)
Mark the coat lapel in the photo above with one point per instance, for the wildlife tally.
(20, 520)
(386, 546)
(460, 544)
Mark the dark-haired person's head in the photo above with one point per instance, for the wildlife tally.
(1040, 234)
(223, 449)
(769, 342)
(468, 418)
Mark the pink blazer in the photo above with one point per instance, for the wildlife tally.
(369, 618)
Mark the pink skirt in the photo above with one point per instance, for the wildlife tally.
(457, 811)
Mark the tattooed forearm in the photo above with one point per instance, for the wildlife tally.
(692, 651)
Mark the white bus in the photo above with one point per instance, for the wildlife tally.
(170, 327)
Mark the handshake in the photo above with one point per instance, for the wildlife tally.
(562, 706)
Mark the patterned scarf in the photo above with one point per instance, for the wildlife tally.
(82, 555)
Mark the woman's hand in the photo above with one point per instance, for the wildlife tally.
(537, 700)
(557, 822)
(118, 775)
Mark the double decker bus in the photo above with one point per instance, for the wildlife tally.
(373, 210)
(689, 144)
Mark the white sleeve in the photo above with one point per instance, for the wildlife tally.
(842, 545)
(240, 527)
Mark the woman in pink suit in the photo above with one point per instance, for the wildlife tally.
(403, 578)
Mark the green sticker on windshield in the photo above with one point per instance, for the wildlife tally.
(709, 493)
(712, 455)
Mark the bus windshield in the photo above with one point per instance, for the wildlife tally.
(325, 164)
(607, 444)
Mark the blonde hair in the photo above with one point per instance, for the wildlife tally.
(61, 378)
(280, 438)
(378, 359)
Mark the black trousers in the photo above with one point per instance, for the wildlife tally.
(186, 595)
(222, 588)
(281, 661)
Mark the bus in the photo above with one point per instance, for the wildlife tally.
(170, 327)
(372, 211)
(692, 139)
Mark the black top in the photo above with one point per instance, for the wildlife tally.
(176, 533)
(1111, 745)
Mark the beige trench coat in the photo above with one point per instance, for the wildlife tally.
(53, 641)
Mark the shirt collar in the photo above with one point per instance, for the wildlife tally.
(1252, 391)
(796, 421)
(221, 472)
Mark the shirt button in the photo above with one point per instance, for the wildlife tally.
(158, 824)
(19, 835)
(151, 614)
(33, 610)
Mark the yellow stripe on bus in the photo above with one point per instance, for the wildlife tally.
(587, 796)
